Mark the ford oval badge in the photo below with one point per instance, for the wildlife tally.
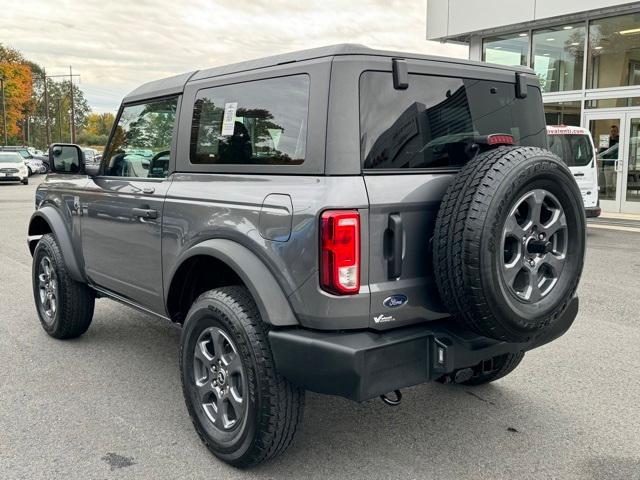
(395, 301)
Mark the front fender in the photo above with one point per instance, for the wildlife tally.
(60, 229)
(266, 291)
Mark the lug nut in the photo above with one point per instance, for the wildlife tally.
(532, 263)
(541, 236)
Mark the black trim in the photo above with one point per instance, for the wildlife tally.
(365, 364)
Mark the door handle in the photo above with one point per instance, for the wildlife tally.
(578, 174)
(617, 166)
(394, 263)
(148, 190)
(145, 213)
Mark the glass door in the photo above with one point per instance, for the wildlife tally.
(606, 130)
(631, 165)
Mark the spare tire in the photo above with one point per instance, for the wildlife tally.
(509, 243)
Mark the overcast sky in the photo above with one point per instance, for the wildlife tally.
(116, 45)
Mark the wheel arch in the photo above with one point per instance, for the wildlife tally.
(48, 220)
(233, 264)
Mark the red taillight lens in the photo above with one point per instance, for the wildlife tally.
(340, 251)
(500, 139)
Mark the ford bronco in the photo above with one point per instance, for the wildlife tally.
(340, 220)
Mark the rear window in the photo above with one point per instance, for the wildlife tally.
(574, 150)
(431, 123)
(259, 122)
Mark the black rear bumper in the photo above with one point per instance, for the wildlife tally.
(592, 212)
(364, 364)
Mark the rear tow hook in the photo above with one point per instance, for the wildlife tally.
(390, 401)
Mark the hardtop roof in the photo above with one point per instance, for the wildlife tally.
(175, 84)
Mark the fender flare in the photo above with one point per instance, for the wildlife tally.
(270, 299)
(59, 228)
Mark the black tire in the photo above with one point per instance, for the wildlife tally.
(30, 171)
(274, 407)
(25, 181)
(501, 367)
(74, 300)
(471, 248)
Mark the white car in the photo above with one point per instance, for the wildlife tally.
(574, 146)
(12, 168)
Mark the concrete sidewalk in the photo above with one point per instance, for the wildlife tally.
(616, 221)
(621, 216)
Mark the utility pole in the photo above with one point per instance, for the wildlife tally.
(46, 109)
(73, 121)
(4, 111)
(59, 120)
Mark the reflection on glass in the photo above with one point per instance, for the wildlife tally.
(606, 136)
(510, 49)
(633, 171)
(433, 123)
(562, 113)
(142, 140)
(614, 52)
(263, 122)
(558, 56)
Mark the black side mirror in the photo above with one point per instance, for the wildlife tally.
(66, 158)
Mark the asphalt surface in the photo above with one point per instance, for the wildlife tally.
(109, 404)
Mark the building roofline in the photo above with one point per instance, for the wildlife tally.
(463, 37)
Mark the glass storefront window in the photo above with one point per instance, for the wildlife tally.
(510, 49)
(614, 52)
(562, 113)
(558, 57)
(613, 102)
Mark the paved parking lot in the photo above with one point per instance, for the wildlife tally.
(109, 405)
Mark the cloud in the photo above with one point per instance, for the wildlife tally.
(117, 45)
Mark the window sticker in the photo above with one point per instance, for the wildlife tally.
(275, 134)
(229, 118)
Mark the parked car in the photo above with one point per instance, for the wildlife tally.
(574, 146)
(34, 164)
(90, 155)
(341, 220)
(12, 168)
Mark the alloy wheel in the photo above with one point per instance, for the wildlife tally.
(535, 243)
(48, 289)
(220, 381)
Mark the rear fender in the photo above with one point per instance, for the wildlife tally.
(266, 291)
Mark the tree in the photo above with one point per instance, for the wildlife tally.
(98, 123)
(18, 81)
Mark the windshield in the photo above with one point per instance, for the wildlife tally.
(574, 150)
(433, 123)
(10, 158)
(24, 154)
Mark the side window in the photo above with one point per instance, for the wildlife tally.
(141, 144)
(256, 123)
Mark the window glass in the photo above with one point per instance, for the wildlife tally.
(260, 122)
(614, 52)
(558, 57)
(141, 144)
(510, 49)
(574, 150)
(434, 121)
(613, 102)
(562, 113)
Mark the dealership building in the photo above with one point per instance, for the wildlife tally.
(587, 56)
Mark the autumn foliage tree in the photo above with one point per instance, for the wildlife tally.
(18, 88)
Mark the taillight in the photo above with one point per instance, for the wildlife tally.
(500, 139)
(340, 251)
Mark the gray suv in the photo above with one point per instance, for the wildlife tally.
(341, 220)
